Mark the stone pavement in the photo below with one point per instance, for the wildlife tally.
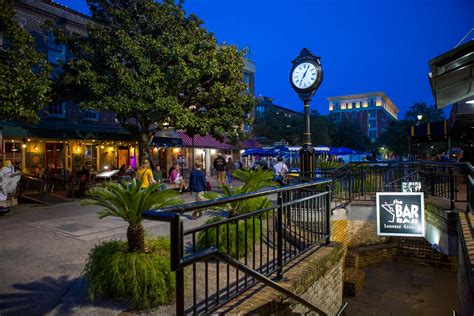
(401, 289)
(43, 250)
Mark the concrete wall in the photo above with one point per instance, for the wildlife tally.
(356, 226)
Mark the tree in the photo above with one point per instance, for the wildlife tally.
(349, 134)
(25, 82)
(274, 126)
(129, 201)
(155, 67)
(396, 137)
(321, 127)
(430, 114)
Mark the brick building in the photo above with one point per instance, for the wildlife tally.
(373, 111)
(67, 136)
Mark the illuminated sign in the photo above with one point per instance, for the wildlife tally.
(400, 214)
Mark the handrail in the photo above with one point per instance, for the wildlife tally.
(401, 178)
(213, 252)
(268, 282)
(234, 198)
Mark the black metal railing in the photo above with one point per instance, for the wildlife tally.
(228, 255)
(360, 181)
(470, 188)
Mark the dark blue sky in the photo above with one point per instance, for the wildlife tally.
(365, 45)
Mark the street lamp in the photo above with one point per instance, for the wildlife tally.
(306, 76)
(419, 117)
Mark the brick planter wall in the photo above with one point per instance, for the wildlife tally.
(316, 276)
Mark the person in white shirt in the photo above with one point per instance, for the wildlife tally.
(280, 169)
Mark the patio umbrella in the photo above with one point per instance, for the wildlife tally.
(340, 151)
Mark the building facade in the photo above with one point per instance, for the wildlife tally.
(67, 136)
(372, 111)
(267, 106)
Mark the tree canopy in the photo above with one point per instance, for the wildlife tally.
(396, 137)
(155, 66)
(430, 114)
(24, 73)
(273, 127)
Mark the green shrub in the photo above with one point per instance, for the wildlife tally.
(145, 280)
(235, 234)
(328, 164)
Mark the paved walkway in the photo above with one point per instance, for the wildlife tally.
(43, 250)
(401, 289)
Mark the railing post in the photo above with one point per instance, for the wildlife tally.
(176, 244)
(350, 186)
(451, 188)
(279, 275)
(432, 183)
(328, 215)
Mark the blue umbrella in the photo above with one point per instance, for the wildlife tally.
(340, 151)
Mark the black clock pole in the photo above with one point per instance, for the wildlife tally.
(305, 83)
(307, 157)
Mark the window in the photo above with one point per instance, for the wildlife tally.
(247, 81)
(331, 107)
(91, 115)
(56, 52)
(358, 105)
(372, 124)
(349, 106)
(57, 110)
(259, 110)
(371, 113)
(343, 106)
(366, 104)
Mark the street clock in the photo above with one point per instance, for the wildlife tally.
(306, 74)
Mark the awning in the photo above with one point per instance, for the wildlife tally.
(199, 141)
(167, 138)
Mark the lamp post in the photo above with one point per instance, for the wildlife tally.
(419, 117)
(305, 77)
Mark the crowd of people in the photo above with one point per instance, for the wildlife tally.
(196, 183)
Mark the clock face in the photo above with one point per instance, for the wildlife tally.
(304, 75)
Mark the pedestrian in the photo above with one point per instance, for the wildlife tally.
(229, 169)
(220, 164)
(280, 169)
(197, 181)
(158, 174)
(145, 175)
(238, 164)
(177, 178)
(83, 176)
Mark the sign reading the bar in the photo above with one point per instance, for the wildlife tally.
(400, 214)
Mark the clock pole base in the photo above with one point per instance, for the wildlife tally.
(308, 161)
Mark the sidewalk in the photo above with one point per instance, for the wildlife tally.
(43, 252)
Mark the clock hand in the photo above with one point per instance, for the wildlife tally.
(304, 75)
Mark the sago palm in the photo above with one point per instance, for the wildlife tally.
(128, 201)
(253, 181)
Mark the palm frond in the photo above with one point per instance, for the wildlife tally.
(128, 201)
